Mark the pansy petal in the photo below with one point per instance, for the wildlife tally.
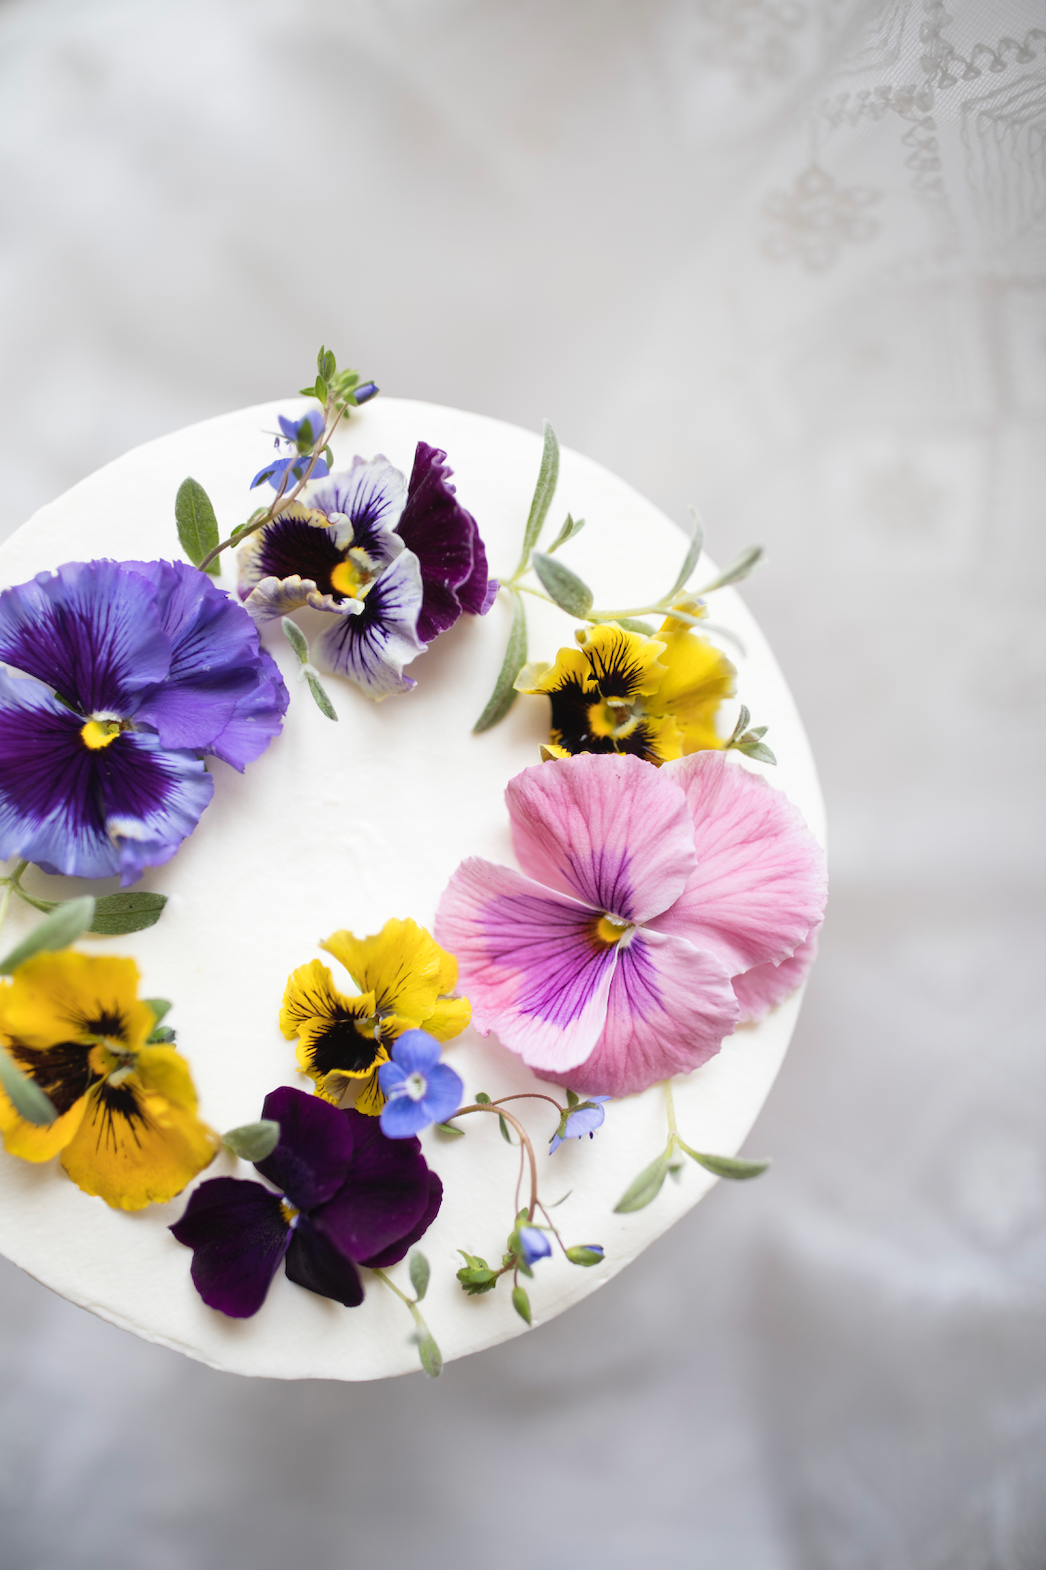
(152, 799)
(765, 986)
(372, 494)
(238, 1235)
(534, 970)
(314, 1148)
(90, 631)
(396, 1251)
(256, 718)
(402, 965)
(314, 1263)
(299, 542)
(44, 1005)
(372, 648)
(443, 536)
(760, 884)
(385, 1193)
(140, 1142)
(607, 829)
(449, 1018)
(273, 597)
(670, 1007)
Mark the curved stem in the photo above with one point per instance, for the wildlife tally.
(490, 1106)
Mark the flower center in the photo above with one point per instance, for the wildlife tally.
(352, 577)
(614, 717)
(612, 929)
(415, 1086)
(100, 730)
(288, 1211)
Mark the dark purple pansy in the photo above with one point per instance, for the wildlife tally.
(446, 541)
(343, 1196)
(130, 671)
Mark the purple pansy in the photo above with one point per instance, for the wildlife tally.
(300, 436)
(420, 1089)
(584, 1119)
(392, 564)
(129, 671)
(343, 1195)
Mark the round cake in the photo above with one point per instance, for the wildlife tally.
(341, 827)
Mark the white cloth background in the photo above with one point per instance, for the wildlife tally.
(779, 257)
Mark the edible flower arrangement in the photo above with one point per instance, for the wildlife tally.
(664, 893)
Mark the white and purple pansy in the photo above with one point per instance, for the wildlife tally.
(393, 564)
(126, 674)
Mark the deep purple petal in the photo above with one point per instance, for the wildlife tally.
(217, 666)
(416, 1052)
(89, 813)
(238, 1236)
(395, 1252)
(90, 631)
(384, 1194)
(315, 1147)
(443, 536)
(313, 1262)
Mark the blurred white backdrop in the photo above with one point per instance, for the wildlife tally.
(783, 258)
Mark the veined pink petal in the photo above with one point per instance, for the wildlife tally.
(765, 986)
(604, 828)
(528, 961)
(760, 883)
(670, 1008)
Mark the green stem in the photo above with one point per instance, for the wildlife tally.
(489, 1106)
(670, 1112)
(10, 887)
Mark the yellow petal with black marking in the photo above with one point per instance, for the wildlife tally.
(402, 965)
(69, 997)
(697, 680)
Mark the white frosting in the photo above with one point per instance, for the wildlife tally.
(344, 826)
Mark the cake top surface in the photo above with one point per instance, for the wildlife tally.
(343, 826)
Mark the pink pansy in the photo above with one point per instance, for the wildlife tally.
(609, 959)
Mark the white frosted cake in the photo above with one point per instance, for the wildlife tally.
(339, 827)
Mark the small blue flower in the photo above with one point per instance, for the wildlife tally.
(584, 1119)
(300, 436)
(420, 1089)
(534, 1244)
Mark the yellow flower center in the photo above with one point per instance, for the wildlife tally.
(611, 929)
(354, 576)
(287, 1211)
(99, 733)
(616, 717)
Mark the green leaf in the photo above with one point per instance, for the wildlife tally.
(505, 694)
(571, 528)
(115, 914)
(476, 1275)
(159, 1006)
(326, 364)
(419, 1274)
(197, 525)
(163, 1035)
(484, 1100)
(755, 749)
(296, 638)
(646, 1187)
(319, 693)
(632, 624)
(448, 1128)
(506, 1136)
(253, 1141)
(67, 922)
(430, 1355)
(582, 1254)
(521, 1303)
(566, 588)
(726, 1166)
(28, 1100)
(739, 729)
(322, 394)
(744, 562)
(548, 478)
(697, 540)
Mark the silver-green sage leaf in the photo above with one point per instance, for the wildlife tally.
(632, 624)
(726, 1166)
(296, 638)
(159, 1006)
(505, 694)
(430, 1355)
(319, 693)
(253, 1141)
(197, 525)
(63, 926)
(744, 563)
(548, 479)
(28, 1100)
(571, 528)
(419, 1274)
(570, 593)
(646, 1187)
(697, 540)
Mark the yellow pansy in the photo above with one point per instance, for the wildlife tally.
(405, 981)
(127, 1128)
(621, 691)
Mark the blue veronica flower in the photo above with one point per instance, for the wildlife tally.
(300, 435)
(420, 1089)
(534, 1244)
(584, 1119)
(128, 673)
